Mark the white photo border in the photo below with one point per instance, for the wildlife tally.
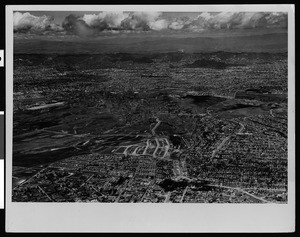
(150, 217)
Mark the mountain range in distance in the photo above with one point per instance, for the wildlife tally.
(254, 40)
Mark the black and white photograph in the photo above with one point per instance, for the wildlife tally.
(153, 106)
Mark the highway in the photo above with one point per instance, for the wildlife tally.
(220, 146)
(225, 141)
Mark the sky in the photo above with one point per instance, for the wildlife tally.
(95, 23)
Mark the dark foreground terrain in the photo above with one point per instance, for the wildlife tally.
(163, 127)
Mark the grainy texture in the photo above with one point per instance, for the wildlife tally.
(150, 115)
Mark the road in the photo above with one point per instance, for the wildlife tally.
(149, 186)
(242, 128)
(184, 192)
(42, 190)
(85, 182)
(124, 189)
(267, 189)
(147, 145)
(167, 197)
(155, 127)
(225, 140)
(29, 179)
(220, 146)
(241, 190)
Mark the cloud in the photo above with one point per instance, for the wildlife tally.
(105, 20)
(176, 25)
(25, 22)
(141, 21)
(125, 22)
(159, 24)
(92, 24)
(278, 19)
(179, 23)
(73, 24)
(242, 20)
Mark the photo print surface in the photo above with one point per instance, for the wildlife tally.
(150, 107)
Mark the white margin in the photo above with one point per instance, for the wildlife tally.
(1, 184)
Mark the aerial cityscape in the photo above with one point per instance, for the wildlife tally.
(150, 107)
